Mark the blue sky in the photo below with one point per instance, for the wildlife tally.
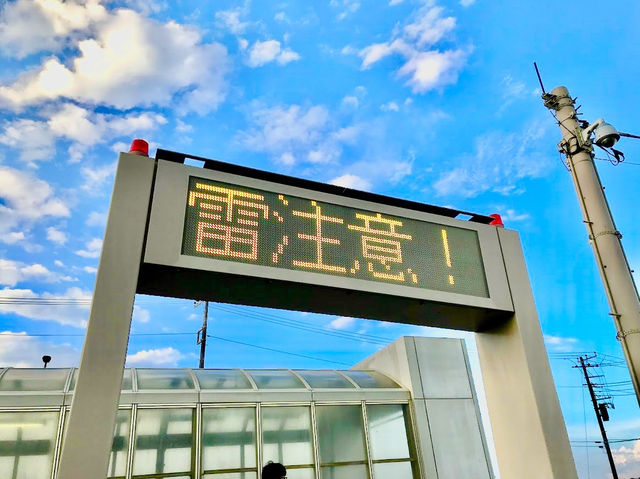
(432, 101)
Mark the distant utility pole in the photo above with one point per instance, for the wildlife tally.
(202, 333)
(601, 410)
(604, 237)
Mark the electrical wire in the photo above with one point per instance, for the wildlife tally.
(614, 163)
(259, 316)
(278, 351)
(19, 335)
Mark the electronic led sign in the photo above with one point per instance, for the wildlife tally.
(242, 224)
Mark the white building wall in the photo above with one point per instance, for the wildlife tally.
(451, 442)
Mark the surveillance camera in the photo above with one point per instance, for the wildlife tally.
(606, 135)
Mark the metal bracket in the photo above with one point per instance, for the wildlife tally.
(551, 101)
(615, 233)
(623, 334)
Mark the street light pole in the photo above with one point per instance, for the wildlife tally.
(603, 235)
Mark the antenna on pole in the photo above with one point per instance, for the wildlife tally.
(539, 78)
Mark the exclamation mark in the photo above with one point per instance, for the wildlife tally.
(447, 255)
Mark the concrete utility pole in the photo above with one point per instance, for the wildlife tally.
(603, 234)
(596, 407)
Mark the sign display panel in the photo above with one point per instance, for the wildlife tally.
(237, 223)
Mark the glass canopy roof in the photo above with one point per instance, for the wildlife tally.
(63, 380)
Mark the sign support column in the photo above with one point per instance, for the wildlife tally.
(89, 436)
(526, 420)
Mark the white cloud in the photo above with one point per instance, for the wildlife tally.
(425, 67)
(351, 181)
(466, 3)
(183, 127)
(287, 159)
(265, 52)
(56, 236)
(162, 357)
(262, 53)
(351, 101)
(31, 26)
(73, 312)
(560, 344)
(34, 139)
(92, 250)
(90, 269)
(97, 177)
(343, 322)
(286, 56)
(87, 128)
(279, 128)
(12, 237)
(59, 263)
(390, 106)
(627, 458)
(499, 162)
(141, 315)
(118, 63)
(24, 200)
(432, 69)
(14, 272)
(232, 19)
(96, 218)
(346, 7)
(363, 174)
(297, 135)
(18, 350)
(510, 215)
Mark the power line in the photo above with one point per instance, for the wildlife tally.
(279, 351)
(61, 335)
(18, 335)
(619, 163)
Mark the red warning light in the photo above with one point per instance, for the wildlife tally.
(497, 220)
(139, 147)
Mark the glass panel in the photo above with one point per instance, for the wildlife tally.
(228, 438)
(119, 449)
(371, 379)
(345, 472)
(164, 379)
(286, 435)
(340, 433)
(388, 431)
(231, 475)
(325, 379)
(397, 470)
(126, 380)
(222, 379)
(27, 442)
(273, 379)
(306, 473)
(34, 379)
(164, 440)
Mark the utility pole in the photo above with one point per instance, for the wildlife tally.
(603, 235)
(596, 407)
(202, 333)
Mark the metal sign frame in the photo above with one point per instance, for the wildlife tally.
(527, 425)
(166, 271)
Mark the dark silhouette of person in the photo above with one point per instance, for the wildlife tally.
(274, 470)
